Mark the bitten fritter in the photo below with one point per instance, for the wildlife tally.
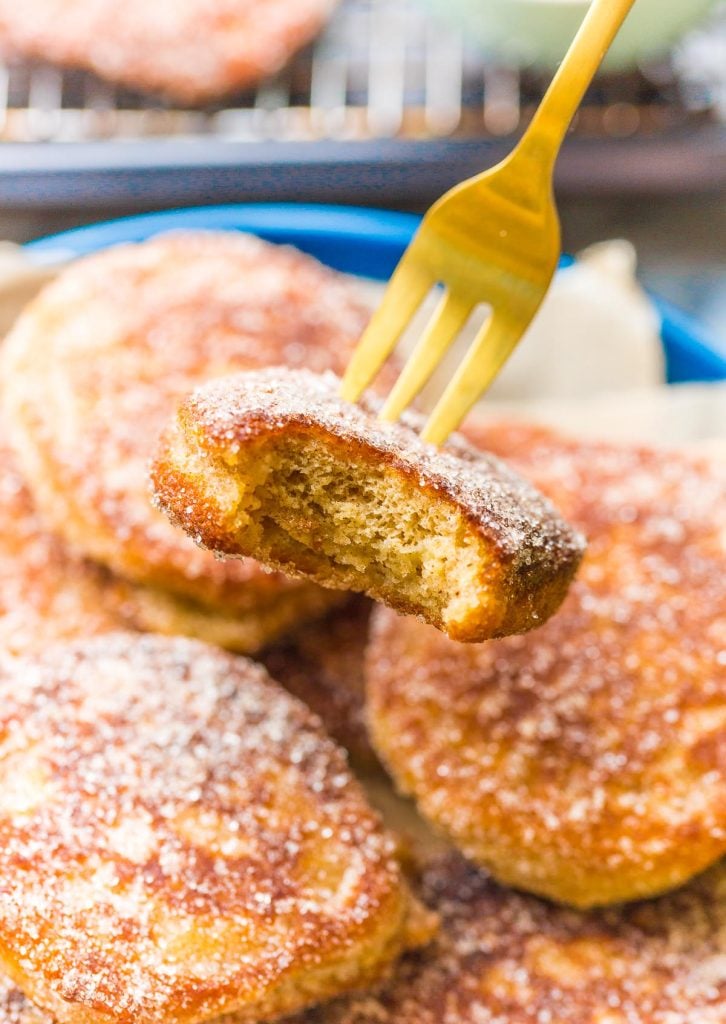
(506, 958)
(179, 839)
(322, 665)
(97, 364)
(192, 51)
(586, 761)
(275, 463)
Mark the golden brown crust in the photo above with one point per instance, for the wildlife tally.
(191, 50)
(585, 761)
(48, 594)
(179, 839)
(322, 665)
(231, 429)
(97, 363)
(505, 958)
(244, 631)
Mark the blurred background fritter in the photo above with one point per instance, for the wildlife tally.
(190, 50)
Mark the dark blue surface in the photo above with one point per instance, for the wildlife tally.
(357, 241)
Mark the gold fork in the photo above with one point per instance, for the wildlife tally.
(494, 238)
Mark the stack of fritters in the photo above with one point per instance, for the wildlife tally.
(179, 839)
(582, 761)
(503, 957)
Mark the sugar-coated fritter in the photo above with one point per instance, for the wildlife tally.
(275, 463)
(585, 761)
(321, 663)
(96, 365)
(47, 593)
(179, 839)
(244, 630)
(506, 958)
(193, 51)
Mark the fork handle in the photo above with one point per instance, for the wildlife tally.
(548, 127)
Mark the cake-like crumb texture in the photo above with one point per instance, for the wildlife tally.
(193, 51)
(275, 463)
(502, 957)
(506, 958)
(98, 362)
(179, 840)
(321, 663)
(586, 761)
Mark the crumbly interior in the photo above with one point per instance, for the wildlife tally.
(375, 529)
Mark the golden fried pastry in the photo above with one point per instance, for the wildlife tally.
(99, 361)
(191, 50)
(47, 593)
(586, 761)
(506, 958)
(322, 665)
(244, 630)
(179, 839)
(275, 463)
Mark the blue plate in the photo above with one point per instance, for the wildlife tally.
(354, 240)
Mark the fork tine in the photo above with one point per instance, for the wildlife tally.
(405, 292)
(450, 316)
(488, 352)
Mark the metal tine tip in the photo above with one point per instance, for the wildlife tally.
(439, 334)
(488, 352)
(406, 290)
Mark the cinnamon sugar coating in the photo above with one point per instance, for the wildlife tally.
(179, 840)
(506, 958)
(276, 463)
(586, 761)
(502, 957)
(193, 51)
(98, 362)
(321, 664)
